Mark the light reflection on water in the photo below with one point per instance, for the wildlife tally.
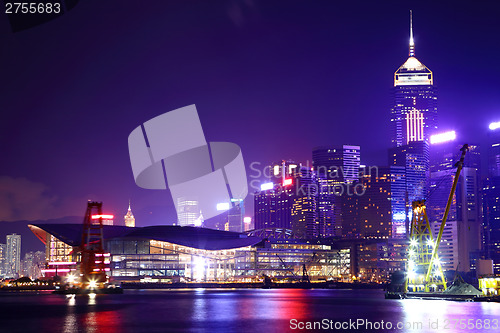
(232, 310)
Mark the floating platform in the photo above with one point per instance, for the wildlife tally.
(442, 296)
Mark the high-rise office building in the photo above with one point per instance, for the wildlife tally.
(413, 121)
(289, 201)
(414, 113)
(3, 249)
(273, 207)
(129, 218)
(462, 239)
(494, 150)
(304, 218)
(414, 158)
(337, 163)
(235, 216)
(382, 206)
(337, 169)
(491, 199)
(189, 212)
(280, 171)
(491, 211)
(13, 255)
(273, 203)
(444, 152)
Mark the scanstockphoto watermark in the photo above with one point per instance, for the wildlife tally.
(334, 180)
(360, 324)
(432, 324)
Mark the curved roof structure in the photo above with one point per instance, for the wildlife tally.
(199, 238)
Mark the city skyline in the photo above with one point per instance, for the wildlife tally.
(262, 85)
(250, 165)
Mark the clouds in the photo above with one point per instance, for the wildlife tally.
(22, 199)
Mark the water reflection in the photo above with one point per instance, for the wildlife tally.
(209, 310)
(70, 320)
(439, 315)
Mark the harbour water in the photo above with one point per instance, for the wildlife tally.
(241, 310)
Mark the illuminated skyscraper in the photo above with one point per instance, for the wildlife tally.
(337, 169)
(382, 206)
(235, 216)
(494, 150)
(414, 113)
(414, 157)
(413, 121)
(188, 213)
(273, 206)
(491, 199)
(3, 250)
(289, 201)
(13, 255)
(129, 217)
(304, 221)
(461, 241)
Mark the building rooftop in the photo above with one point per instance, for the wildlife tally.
(412, 64)
(199, 238)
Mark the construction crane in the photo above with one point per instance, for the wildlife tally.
(286, 266)
(424, 267)
(305, 273)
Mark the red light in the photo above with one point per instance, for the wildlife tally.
(53, 270)
(287, 181)
(104, 217)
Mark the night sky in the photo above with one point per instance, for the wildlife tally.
(275, 77)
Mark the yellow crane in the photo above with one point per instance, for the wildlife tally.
(423, 271)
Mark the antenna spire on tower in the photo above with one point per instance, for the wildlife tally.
(412, 43)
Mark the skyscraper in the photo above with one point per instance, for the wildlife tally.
(273, 203)
(13, 255)
(337, 169)
(461, 242)
(413, 121)
(3, 251)
(494, 150)
(304, 221)
(491, 198)
(382, 206)
(188, 212)
(414, 113)
(129, 217)
(235, 216)
(338, 163)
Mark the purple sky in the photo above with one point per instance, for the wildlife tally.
(275, 77)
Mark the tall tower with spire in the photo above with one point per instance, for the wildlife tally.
(129, 217)
(414, 113)
(413, 121)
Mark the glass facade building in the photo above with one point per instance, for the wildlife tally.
(188, 254)
(461, 243)
(414, 112)
(337, 169)
(491, 200)
(13, 255)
